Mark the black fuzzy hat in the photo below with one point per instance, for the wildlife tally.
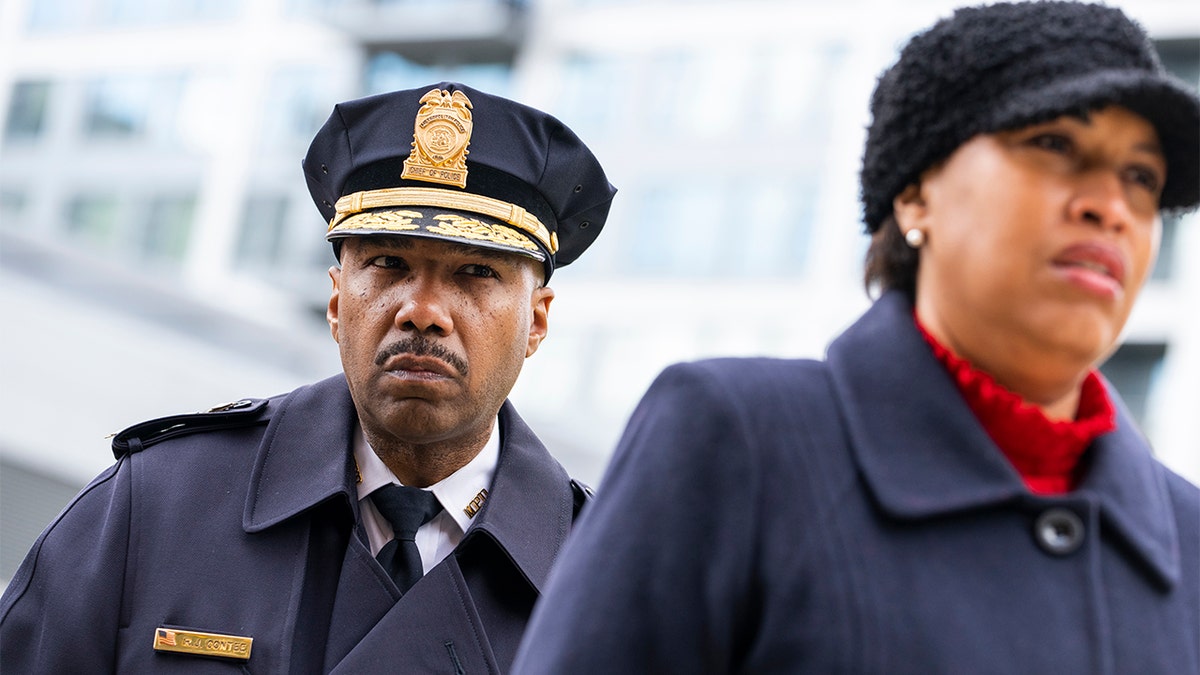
(1004, 66)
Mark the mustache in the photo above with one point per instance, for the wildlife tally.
(418, 345)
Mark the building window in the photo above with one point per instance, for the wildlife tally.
(586, 102)
(388, 71)
(692, 229)
(12, 206)
(261, 238)
(91, 219)
(117, 108)
(775, 221)
(1133, 370)
(154, 228)
(1181, 58)
(133, 108)
(148, 12)
(298, 107)
(59, 15)
(166, 224)
(1164, 266)
(677, 228)
(27, 110)
(54, 15)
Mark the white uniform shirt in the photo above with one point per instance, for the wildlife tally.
(456, 493)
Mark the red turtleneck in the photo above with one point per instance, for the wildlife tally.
(1045, 452)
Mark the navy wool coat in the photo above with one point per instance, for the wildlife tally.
(244, 523)
(852, 516)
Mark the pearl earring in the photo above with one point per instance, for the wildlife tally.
(915, 237)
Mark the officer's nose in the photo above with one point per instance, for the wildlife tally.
(424, 307)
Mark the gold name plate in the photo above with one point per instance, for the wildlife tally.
(202, 644)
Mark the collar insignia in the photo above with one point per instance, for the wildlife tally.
(441, 134)
(476, 503)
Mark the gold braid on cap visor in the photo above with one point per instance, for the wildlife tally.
(463, 201)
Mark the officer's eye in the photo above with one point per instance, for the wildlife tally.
(387, 261)
(482, 271)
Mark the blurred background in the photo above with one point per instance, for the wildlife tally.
(159, 252)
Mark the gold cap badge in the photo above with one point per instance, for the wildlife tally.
(441, 134)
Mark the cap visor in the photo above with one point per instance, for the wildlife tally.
(460, 227)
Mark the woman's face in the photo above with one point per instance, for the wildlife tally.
(1038, 241)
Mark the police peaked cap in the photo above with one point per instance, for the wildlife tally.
(450, 162)
(999, 67)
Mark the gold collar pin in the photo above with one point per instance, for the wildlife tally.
(476, 503)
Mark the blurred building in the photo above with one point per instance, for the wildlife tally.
(159, 252)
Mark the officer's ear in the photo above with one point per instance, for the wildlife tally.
(539, 318)
(331, 312)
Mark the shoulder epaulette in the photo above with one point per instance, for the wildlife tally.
(138, 437)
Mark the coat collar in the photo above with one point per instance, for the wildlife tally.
(894, 391)
(529, 508)
(304, 459)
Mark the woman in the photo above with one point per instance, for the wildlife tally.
(954, 489)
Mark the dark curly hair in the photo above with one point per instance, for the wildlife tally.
(890, 263)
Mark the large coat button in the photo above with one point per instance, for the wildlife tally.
(1059, 531)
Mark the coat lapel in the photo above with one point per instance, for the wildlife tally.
(441, 624)
(305, 460)
(364, 597)
(529, 508)
(1133, 497)
(433, 628)
(923, 453)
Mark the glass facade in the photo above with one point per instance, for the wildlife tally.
(13, 203)
(152, 229)
(388, 71)
(92, 220)
(161, 226)
(28, 109)
(261, 236)
(142, 108)
(48, 16)
(724, 190)
(297, 108)
(1133, 369)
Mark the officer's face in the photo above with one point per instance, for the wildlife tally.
(1038, 241)
(433, 334)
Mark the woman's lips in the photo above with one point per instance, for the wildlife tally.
(1096, 267)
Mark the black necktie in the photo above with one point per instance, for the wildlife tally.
(406, 508)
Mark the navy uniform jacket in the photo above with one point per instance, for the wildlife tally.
(248, 528)
(852, 516)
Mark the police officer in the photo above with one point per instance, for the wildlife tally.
(399, 517)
